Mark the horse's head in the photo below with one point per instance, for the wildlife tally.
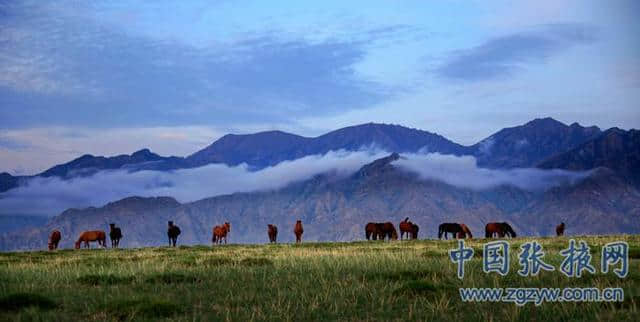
(50, 245)
(77, 245)
(507, 229)
(228, 226)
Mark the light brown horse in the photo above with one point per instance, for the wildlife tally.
(54, 239)
(465, 233)
(272, 231)
(406, 227)
(560, 229)
(502, 229)
(298, 230)
(92, 235)
(220, 232)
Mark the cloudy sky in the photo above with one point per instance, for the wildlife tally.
(116, 76)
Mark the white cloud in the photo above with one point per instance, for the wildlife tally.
(464, 172)
(50, 196)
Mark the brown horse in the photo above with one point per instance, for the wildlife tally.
(465, 233)
(272, 231)
(93, 235)
(54, 239)
(387, 230)
(501, 229)
(414, 231)
(173, 232)
(560, 229)
(298, 230)
(448, 227)
(220, 232)
(115, 234)
(406, 227)
(371, 231)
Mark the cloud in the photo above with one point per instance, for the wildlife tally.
(464, 172)
(503, 56)
(50, 196)
(58, 68)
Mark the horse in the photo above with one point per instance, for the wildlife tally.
(371, 231)
(446, 228)
(406, 227)
(93, 235)
(414, 231)
(298, 230)
(115, 234)
(172, 232)
(272, 231)
(560, 229)
(387, 230)
(220, 232)
(502, 229)
(54, 239)
(465, 233)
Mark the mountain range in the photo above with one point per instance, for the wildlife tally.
(335, 206)
(516, 147)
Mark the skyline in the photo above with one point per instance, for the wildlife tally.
(112, 78)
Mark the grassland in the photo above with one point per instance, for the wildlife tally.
(314, 281)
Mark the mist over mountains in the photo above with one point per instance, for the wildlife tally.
(534, 176)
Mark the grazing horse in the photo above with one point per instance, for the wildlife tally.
(115, 234)
(501, 229)
(560, 229)
(406, 227)
(172, 232)
(387, 230)
(220, 232)
(371, 231)
(447, 227)
(54, 239)
(465, 233)
(93, 235)
(298, 230)
(272, 231)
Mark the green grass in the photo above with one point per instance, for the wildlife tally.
(412, 280)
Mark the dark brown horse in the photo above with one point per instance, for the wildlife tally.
(54, 239)
(298, 230)
(406, 227)
(465, 233)
(448, 227)
(501, 229)
(220, 232)
(115, 234)
(93, 235)
(414, 231)
(387, 230)
(173, 232)
(272, 231)
(371, 231)
(560, 229)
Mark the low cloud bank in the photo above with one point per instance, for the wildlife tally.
(50, 196)
(464, 172)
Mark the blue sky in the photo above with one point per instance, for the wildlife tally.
(116, 76)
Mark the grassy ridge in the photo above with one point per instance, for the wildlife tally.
(313, 281)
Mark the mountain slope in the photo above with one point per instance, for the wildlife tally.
(525, 145)
(615, 149)
(337, 208)
(265, 149)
